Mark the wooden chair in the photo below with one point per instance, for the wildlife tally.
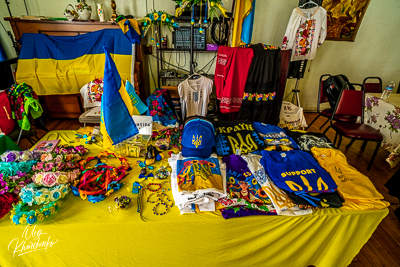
(351, 102)
(372, 87)
(327, 112)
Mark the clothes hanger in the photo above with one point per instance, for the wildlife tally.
(309, 2)
(194, 76)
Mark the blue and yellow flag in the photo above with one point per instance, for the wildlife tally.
(63, 64)
(244, 19)
(137, 103)
(130, 28)
(116, 123)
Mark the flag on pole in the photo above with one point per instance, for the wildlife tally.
(244, 20)
(116, 123)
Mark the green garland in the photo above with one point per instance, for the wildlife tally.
(213, 5)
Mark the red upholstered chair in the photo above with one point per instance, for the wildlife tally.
(351, 102)
(327, 112)
(372, 87)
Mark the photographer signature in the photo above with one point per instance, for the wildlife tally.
(32, 240)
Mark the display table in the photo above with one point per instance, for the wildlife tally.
(384, 115)
(89, 235)
(7, 144)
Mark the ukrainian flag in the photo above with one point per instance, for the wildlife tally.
(63, 64)
(116, 123)
(243, 24)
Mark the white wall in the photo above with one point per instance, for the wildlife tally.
(374, 52)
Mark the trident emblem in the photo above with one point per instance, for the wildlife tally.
(196, 140)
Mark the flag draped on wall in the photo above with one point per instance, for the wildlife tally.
(243, 24)
(63, 64)
(116, 123)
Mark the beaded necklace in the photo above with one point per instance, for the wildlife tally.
(159, 192)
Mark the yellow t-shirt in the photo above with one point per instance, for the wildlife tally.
(356, 188)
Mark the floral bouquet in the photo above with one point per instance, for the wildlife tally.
(157, 18)
(188, 4)
(83, 6)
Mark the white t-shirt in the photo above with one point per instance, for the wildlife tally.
(305, 32)
(281, 201)
(184, 201)
(194, 96)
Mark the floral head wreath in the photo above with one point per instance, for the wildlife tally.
(102, 180)
(21, 215)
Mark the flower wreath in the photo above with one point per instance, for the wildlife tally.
(21, 215)
(102, 180)
(14, 156)
(14, 175)
(32, 194)
(50, 179)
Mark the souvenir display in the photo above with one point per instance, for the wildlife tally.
(122, 202)
(198, 138)
(275, 137)
(355, 187)
(187, 201)
(23, 98)
(161, 198)
(236, 135)
(102, 180)
(195, 95)
(13, 156)
(21, 215)
(50, 179)
(172, 135)
(14, 175)
(39, 195)
(305, 32)
(46, 146)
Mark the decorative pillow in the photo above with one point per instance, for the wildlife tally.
(232, 135)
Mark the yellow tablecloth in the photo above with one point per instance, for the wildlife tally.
(88, 235)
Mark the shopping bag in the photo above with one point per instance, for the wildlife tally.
(292, 116)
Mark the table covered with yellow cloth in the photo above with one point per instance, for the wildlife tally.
(88, 234)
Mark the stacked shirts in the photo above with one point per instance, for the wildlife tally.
(280, 200)
(308, 140)
(297, 173)
(236, 135)
(275, 137)
(358, 191)
(197, 181)
(245, 195)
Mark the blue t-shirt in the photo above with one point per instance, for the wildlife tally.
(297, 172)
(274, 136)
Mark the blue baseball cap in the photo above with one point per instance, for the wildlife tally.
(198, 138)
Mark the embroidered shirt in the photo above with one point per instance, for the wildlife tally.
(305, 32)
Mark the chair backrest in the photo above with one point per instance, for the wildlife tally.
(322, 97)
(372, 87)
(351, 102)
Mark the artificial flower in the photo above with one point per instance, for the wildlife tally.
(15, 219)
(22, 220)
(40, 217)
(49, 180)
(163, 17)
(31, 219)
(27, 197)
(62, 179)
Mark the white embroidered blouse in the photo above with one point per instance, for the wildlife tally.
(305, 32)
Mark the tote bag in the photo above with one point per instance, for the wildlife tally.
(292, 116)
